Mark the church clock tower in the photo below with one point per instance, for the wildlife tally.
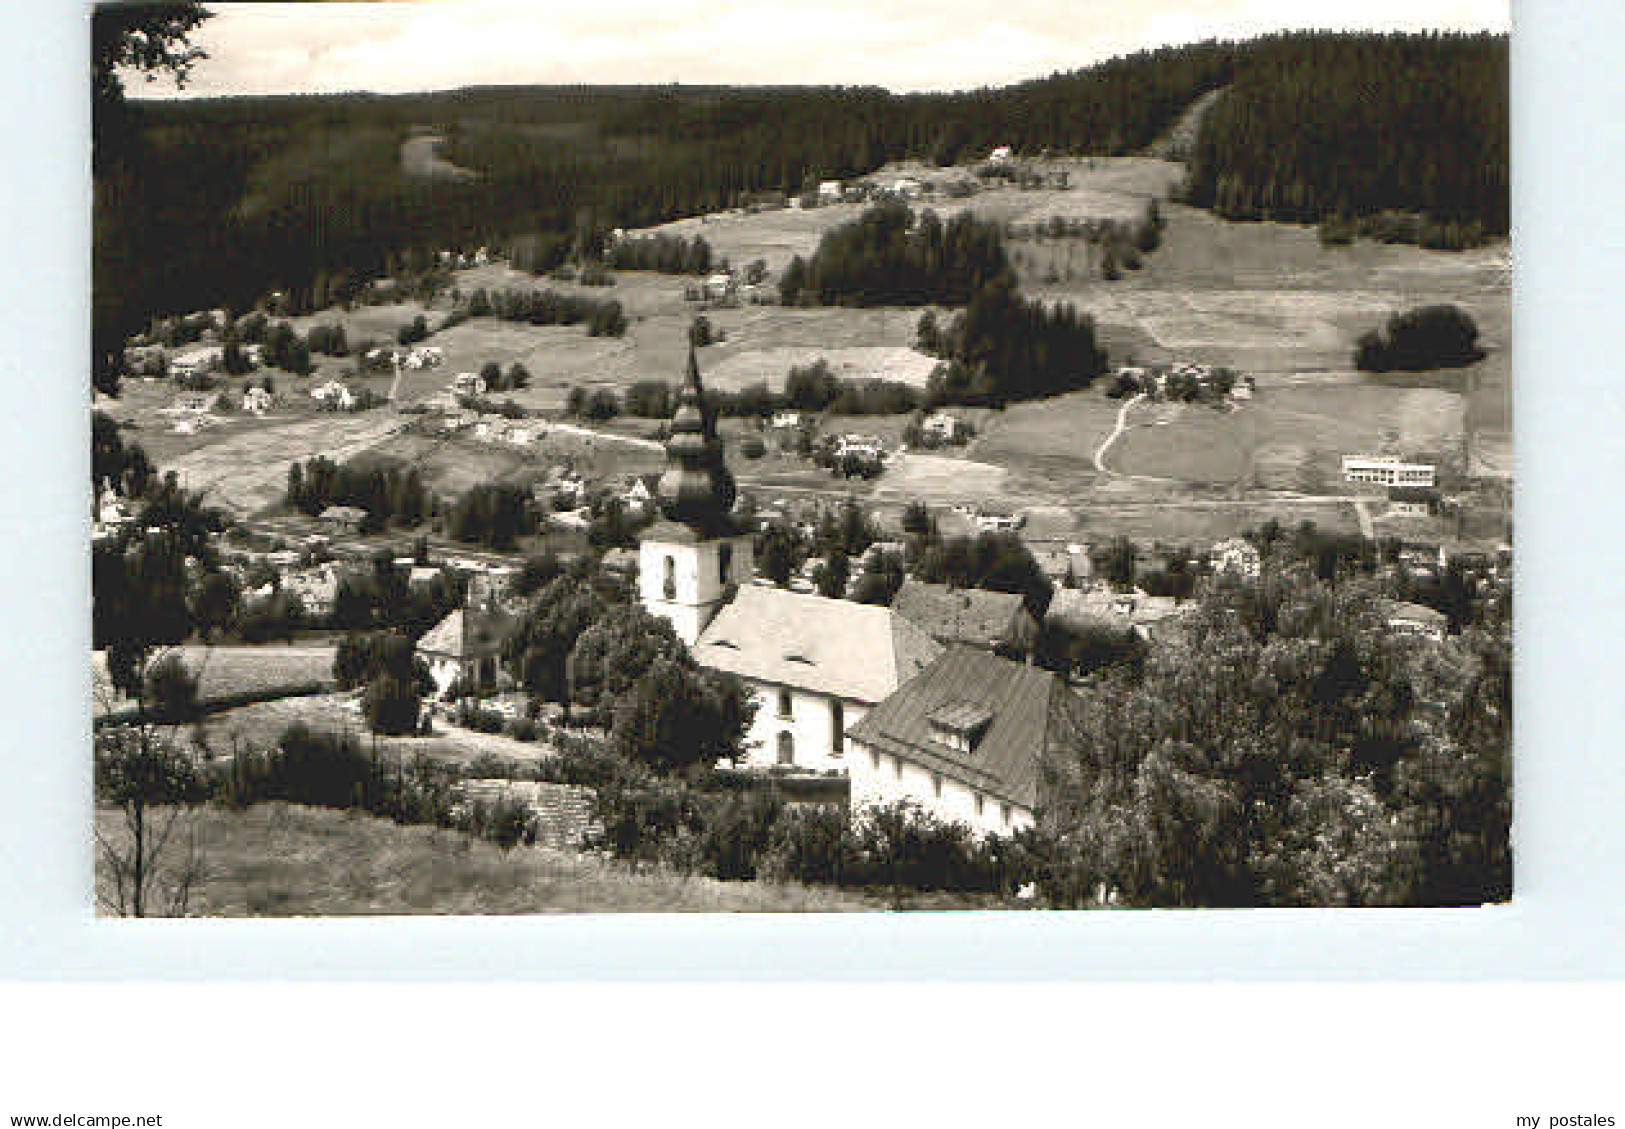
(691, 561)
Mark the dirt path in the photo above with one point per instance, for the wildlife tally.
(1362, 510)
(607, 436)
(1117, 429)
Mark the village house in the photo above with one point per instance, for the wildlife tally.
(1415, 501)
(193, 403)
(343, 519)
(1238, 556)
(829, 192)
(993, 521)
(257, 400)
(334, 394)
(964, 739)
(421, 577)
(1001, 155)
(1404, 618)
(464, 650)
(468, 384)
(991, 621)
(1061, 563)
(718, 287)
(196, 362)
(317, 589)
(639, 496)
(944, 427)
(1100, 608)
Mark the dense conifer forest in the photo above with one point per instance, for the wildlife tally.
(215, 202)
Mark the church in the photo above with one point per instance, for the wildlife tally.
(815, 665)
(844, 688)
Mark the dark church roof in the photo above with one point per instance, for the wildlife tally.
(697, 490)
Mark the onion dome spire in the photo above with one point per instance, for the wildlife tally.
(697, 488)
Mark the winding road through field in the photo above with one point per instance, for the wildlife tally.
(1117, 430)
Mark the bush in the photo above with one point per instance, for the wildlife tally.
(413, 331)
(171, 691)
(390, 704)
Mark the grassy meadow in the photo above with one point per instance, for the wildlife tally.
(278, 860)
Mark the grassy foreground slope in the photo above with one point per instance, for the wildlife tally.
(279, 860)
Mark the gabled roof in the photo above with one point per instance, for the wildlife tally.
(468, 633)
(965, 615)
(859, 652)
(1028, 710)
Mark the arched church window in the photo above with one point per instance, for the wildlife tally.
(668, 586)
(725, 562)
(787, 747)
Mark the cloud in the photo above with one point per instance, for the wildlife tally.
(948, 44)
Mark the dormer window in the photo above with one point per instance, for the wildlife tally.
(959, 725)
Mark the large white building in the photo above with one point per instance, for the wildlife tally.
(1386, 470)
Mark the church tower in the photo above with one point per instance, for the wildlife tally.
(692, 561)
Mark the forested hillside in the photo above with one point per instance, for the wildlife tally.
(1352, 125)
(216, 202)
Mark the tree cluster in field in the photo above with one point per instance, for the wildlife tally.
(1003, 349)
(667, 254)
(516, 379)
(604, 316)
(1359, 125)
(888, 256)
(390, 493)
(1420, 339)
(492, 514)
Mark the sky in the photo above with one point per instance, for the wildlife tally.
(393, 46)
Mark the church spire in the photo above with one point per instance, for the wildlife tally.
(696, 489)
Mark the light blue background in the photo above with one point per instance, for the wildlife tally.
(1566, 921)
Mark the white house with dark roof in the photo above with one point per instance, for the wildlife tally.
(964, 739)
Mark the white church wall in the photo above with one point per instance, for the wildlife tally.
(810, 724)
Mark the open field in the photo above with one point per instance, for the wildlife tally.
(226, 671)
(247, 470)
(278, 860)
